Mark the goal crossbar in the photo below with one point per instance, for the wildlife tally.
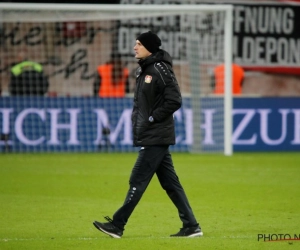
(118, 7)
(108, 11)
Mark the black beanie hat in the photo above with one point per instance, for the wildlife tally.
(150, 41)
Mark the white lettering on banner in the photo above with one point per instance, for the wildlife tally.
(271, 46)
(55, 126)
(188, 124)
(238, 18)
(207, 126)
(174, 42)
(249, 114)
(125, 120)
(179, 118)
(296, 140)
(19, 126)
(102, 122)
(264, 126)
(203, 22)
(260, 20)
(123, 127)
(258, 46)
(126, 39)
(264, 35)
(5, 124)
(174, 31)
(262, 49)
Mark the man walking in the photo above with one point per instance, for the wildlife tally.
(157, 96)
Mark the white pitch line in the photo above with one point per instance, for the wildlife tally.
(126, 237)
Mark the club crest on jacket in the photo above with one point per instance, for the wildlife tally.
(148, 79)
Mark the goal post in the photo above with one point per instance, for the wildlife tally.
(71, 40)
(228, 149)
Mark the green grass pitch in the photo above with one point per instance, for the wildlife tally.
(49, 201)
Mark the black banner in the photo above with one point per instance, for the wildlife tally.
(267, 37)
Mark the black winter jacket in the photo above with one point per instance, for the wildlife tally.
(157, 94)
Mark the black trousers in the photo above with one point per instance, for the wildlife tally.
(151, 160)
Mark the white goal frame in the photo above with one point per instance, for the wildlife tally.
(144, 10)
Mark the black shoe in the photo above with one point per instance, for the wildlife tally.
(189, 232)
(109, 228)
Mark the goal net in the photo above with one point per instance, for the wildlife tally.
(68, 44)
